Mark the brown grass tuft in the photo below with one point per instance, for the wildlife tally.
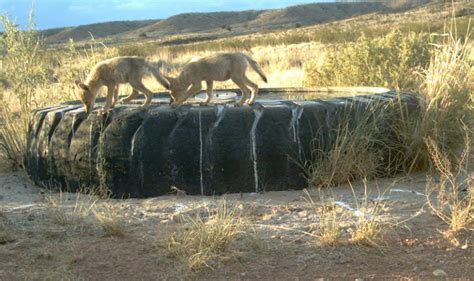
(203, 238)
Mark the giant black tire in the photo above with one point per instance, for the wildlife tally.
(213, 149)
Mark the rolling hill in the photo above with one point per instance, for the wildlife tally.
(216, 24)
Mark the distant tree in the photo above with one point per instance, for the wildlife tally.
(142, 35)
(298, 25)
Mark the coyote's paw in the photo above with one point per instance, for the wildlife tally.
(103, 111)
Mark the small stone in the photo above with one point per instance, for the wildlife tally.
(303, 214)
(440, 273)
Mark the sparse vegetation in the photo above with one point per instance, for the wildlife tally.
(109, 220)
(203, 238)
(328, 226)
(451, 195)
(64, 213)
(369, 223)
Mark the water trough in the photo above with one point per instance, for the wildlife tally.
(202, 150)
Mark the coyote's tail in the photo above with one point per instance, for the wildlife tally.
(257, 68)
(154, 68)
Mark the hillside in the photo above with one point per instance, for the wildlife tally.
(98, 30)
(217, 24)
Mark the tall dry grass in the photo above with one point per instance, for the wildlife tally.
(447, 104)
(204, 237)
(451, 196)
(329, 228)
(283, 64)
(352, 150)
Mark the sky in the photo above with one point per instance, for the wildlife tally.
(60, 13)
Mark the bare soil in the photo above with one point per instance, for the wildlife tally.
(274, 247)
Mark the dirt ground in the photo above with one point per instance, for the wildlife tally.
(274, 247)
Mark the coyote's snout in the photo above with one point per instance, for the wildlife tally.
(113, 72)
(218, 67)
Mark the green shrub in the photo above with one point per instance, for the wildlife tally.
(22, 70)
(389, 61)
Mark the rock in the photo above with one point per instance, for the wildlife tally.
(440, 273)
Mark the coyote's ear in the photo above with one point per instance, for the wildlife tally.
(81, 85)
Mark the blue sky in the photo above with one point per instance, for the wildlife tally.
(59, 13)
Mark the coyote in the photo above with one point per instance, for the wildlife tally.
(113, 72)
(219, 67)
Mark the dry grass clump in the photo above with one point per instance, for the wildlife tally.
(451, 196)
(64, 213)
(352, 149)
(203, 238)
(368, 218)
(369, 223)
(328, 228)
(109, 220)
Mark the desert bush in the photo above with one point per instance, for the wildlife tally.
(36, 77)
(7, 234)
(203, 238)
(389, 61)
(22, 69)
(451, 196)
(447, 105)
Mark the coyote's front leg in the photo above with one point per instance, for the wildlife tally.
(209, 85)
(116, 91)
(108, 99)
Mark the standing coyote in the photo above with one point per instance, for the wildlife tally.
(219, 67)
(113, 72)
